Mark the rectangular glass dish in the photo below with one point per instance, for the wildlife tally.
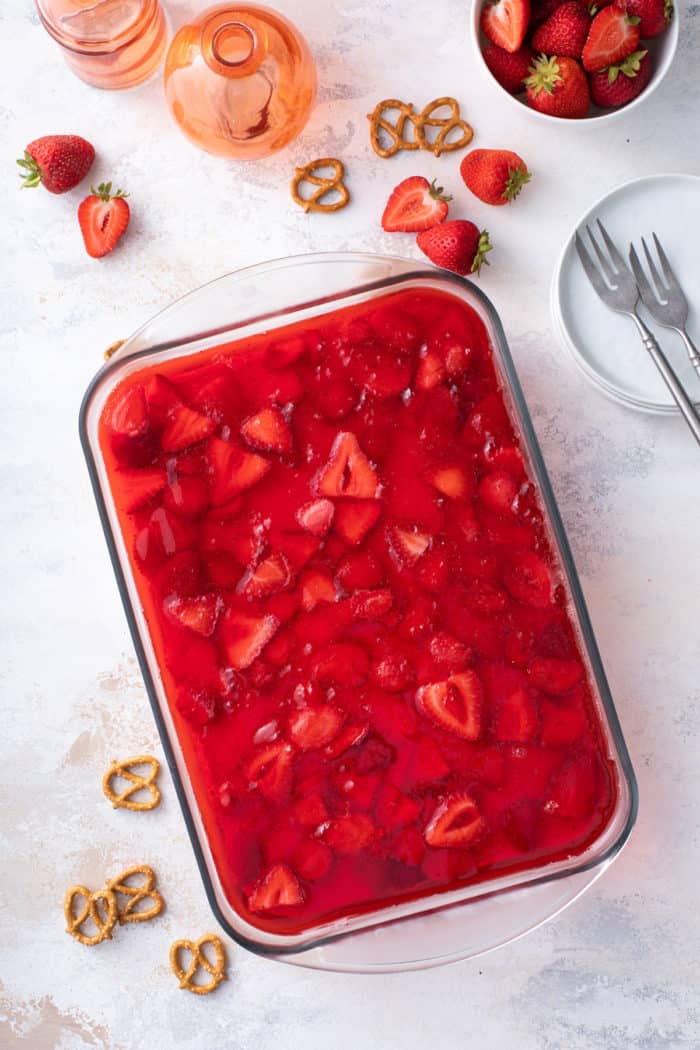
(353, 602)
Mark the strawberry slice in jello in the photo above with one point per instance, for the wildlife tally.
(348, 471)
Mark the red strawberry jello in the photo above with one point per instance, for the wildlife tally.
(366, 645)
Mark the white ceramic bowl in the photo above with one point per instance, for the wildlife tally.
(662, 50)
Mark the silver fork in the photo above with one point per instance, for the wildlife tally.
(617, 288)
(668, 304)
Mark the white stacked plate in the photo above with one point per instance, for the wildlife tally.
(605, 345)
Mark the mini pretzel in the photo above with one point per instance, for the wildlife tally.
(120, 886)
(395, 132)
(94, 905)
(185, 977)
(122, 799)
(446, 125)
(113, 349)
(324, 185)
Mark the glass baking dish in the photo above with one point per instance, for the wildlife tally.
(432, 929)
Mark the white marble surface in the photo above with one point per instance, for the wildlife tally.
(620, 969)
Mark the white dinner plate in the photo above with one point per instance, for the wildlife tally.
(606, 345)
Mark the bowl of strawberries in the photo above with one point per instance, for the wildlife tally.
(576, 59)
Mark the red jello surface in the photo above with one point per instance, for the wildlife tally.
(362, 635)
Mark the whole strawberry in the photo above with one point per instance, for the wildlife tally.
(103, 217)
(564, 32)
(558, 87)
(509, 68)
(618, 85)
(495, 176)
(58, 162)
(654, 16)
(456, 245)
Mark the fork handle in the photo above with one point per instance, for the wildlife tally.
(670, 378)
(693, 352)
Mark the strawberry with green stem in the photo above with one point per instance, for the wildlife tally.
(57, 162)
(103, 217)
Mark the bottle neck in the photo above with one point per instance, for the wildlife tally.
(233, 44)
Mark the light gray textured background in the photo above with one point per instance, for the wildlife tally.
(620, 969)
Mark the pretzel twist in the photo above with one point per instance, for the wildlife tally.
(136, 783)
(185, 975)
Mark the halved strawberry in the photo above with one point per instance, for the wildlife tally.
(504, 22)
(312, 859)
(562, 724)
(139, 487)
(232, 537)
(455, 823)
(189, 496)
(433, 570)
(313, 727)
(354, 519)
(297, 547)
(268, 577)
(392, 670)
(350, 735)
(341, 663)
(269, 770)
(555, 676)
(516, 718)
(129, 415)
(316, 516)
(448, 652)
(276, 891)
(348, 472)
(573, 790)
(394, 809)
(197, 614)
(452, 482)
(310, 811)
(244, 636)
(185, 427)
(407, 544)
(316, 587)
(351, 834)
(162, 399)
(371, 605)
(520, 824)
(498, 490)
(198, 706)
(613, 36)
(268, 430)
(359, 570)
(232, 470)
(430, 372)
(527, 578)
(103, 218)
(455, 704)
(415, 204)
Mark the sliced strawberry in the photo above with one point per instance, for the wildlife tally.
(348, 472)
(129, 414)
(269, 431)
(297, 547)
(232, 470)
(314, 727)
(316, 587)
(196, 705)
(310, 811)
(185, 427)
(381, 372)
(407, 544)
(394, 809)
(277, 891)
(139, 487)
(269, 770)
(430, 373)
(285, 352)
(415, 204)
(498, 490)
(433, 570)
(358, 790)
(351, 735)
(232, 537)
(504, 22)
(487, 419)
(354, 519)
(455, 823)
(613, 36)
(189, 496)
(452, 482)
(316, 516)
(268, 577)
(427, 765)
(516, 718)
(351, 834)
(162, 399)
(455, 705)
(371, 605)
(213, 391)
(197, 614)
(451, 654)
(486, 598)
(574, 789)
(312, 859)
(527, 578)
(562, 725)
(245, 636)
(359, 571)
(393, 671)
(182, 576)
(409, 847)
(555, 676)
(520, 824)
(103, 218)
(340, 664)
(374, 754)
